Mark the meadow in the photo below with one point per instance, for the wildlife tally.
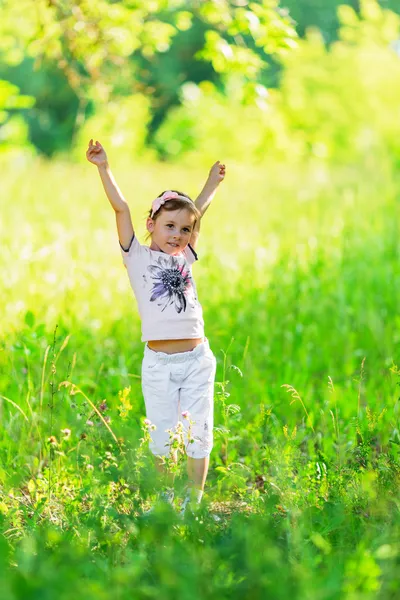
(299, 279)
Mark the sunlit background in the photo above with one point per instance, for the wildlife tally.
(298, 276)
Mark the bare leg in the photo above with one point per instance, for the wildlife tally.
(197, 469)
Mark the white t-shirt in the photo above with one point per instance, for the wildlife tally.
(165, 292)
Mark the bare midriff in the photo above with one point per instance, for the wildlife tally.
(173, 346)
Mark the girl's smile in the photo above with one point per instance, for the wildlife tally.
(171, 231)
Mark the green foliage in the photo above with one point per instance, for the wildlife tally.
(122, 124)
(76, 57)
(269, 28)
(337, 103)
(54, 116)
(299, 262)
(321, 14)
(13, 129)
(93, 42)
(300, 268)
(319, 100)
(201, 127)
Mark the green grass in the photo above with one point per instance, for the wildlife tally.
(299, 280)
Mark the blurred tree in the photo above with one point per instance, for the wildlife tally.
(13, 131)
(73, 57)
(317, 13)
(105, 47)
(52, 118)
(323, 14)
(163, 75)
(338, 102)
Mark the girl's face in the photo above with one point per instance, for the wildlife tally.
(171, 231)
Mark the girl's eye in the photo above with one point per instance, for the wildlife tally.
(186, 229)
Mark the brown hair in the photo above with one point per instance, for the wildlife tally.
(175, 204)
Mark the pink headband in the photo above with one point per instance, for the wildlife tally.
(158, 202)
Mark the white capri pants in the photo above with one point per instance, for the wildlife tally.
(174, 383)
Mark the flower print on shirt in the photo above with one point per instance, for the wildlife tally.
(172, 283)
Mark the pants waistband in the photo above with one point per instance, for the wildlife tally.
(178, 357)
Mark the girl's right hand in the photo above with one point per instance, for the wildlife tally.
(96, 154)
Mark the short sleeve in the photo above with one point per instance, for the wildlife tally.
(133, 250)
(190, 254)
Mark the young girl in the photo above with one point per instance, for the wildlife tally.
(178, 368)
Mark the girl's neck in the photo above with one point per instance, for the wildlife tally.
(154, 246)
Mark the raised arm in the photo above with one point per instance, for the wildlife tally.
(97, 155)
(203, 200)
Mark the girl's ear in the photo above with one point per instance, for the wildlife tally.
(150, 225)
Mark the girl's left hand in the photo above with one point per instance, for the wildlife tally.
(217, 172)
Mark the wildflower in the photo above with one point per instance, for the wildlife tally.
(66, 432)
(147, 422)
(103, 406)
(89, 467)
(89, 423)
(125, 405)
(185, 414)
(107, 419)
(52, 440)
(152, 427)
